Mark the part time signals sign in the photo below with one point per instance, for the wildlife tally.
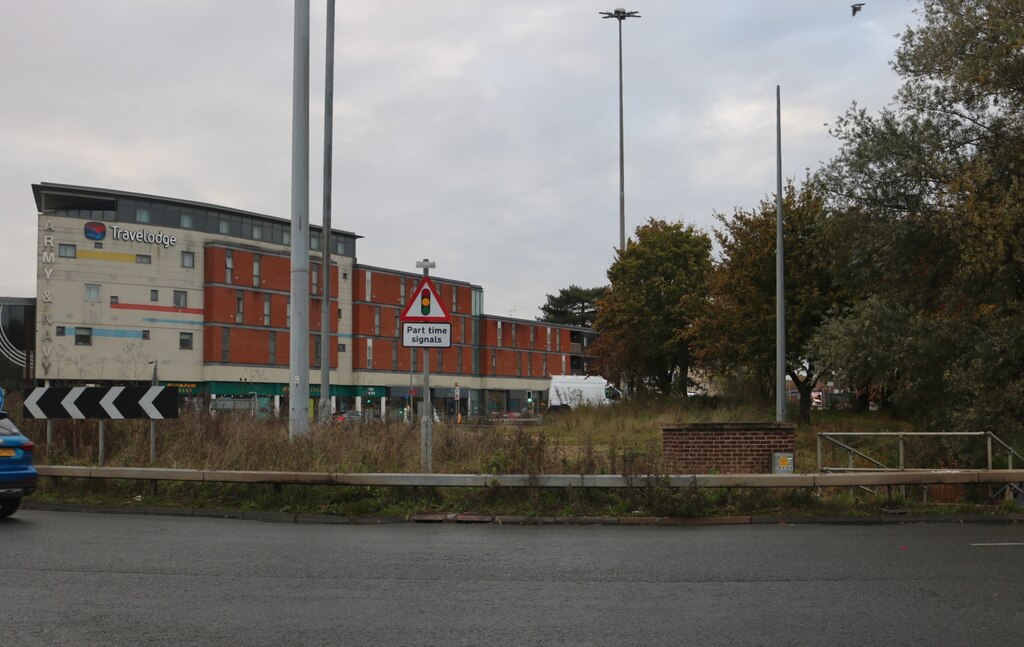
(425, 320)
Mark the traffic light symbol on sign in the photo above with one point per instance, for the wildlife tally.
(425, 302)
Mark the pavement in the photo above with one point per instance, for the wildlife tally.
(890, 518)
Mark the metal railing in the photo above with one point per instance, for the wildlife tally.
(876, 465)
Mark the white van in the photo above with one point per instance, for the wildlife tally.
(572, 391)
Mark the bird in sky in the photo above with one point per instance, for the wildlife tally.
(856, 7)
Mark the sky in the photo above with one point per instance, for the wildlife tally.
(480, 134)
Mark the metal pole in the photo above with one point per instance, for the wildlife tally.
(152, 423)
(427, 423)
(620, 15)
(324, 409)
(298, 395)
(622, 157)
(49, 427)
(780, 292)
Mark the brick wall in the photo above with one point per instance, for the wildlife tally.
(725, 448)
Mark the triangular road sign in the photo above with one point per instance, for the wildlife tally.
(425, 305)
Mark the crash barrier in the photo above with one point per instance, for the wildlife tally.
(907, 477)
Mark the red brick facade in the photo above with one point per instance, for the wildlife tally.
(250, 313)
(725, 448)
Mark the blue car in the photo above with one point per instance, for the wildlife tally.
(17, 473)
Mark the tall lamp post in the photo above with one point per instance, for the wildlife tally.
(620, 15)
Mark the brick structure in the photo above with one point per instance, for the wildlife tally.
(725, 447)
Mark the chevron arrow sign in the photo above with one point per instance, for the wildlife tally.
(102, 402)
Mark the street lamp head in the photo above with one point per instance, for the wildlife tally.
(620, 14)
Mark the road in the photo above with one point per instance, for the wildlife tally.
(103, 579)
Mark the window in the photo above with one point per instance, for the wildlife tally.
(113, 300)
(225, 225)
(499, 333)
(519, 364)
(458, 364)
(180, 299)
(440, 361)
(288, 313)
(342, 348)
(143, 259)
(142, 215)
(414, 360)
(154, 295)
(188, 259)
(145, 335)
(92, 293)
(369, 353)
(225, 344)
(455, 299)
(257, 231)
(369, 285)
(239, 304)
(67, 251)
(229, 265)
(83, 336)
(185, 341)
(549, 339)
(544, 366)
(376, 320)
(314, 278)
(515, 337)
(256, 270)
(394, 356)
(401, 291)
(316, 352)
(186, 221)
(494, 363)
(266, 309)
(60, 331)
(273, 347)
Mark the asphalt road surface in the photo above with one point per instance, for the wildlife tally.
(103, 579)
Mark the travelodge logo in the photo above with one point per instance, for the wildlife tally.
(95, 230)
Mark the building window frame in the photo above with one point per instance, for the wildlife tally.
(83, 336)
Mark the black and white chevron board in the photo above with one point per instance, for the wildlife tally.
(102, 402)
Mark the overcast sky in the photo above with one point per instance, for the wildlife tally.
(477, 133)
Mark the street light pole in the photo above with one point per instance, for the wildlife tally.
(620, 15)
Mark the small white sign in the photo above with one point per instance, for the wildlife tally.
(426, 335)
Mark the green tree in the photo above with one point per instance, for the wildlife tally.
(738, 332)
(658, 290)
(932, 193)
(574, 306)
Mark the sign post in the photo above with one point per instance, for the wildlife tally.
(426, 324)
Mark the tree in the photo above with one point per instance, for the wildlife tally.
(738, 332)
(933, 195)
(573, 306)
(658, 289)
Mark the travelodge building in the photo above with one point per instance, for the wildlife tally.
(131, 284)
